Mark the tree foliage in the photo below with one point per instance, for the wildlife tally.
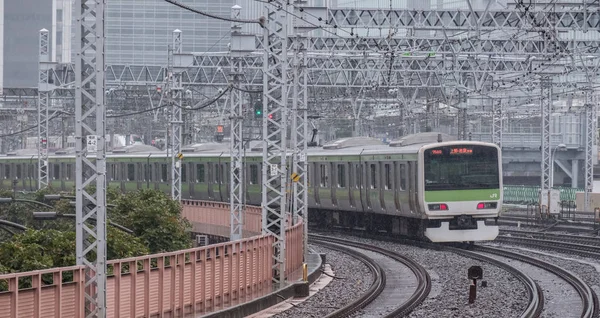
(154, 218)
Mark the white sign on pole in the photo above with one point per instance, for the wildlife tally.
(92, 143)
(274, 170)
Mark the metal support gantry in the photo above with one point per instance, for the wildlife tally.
(275, 117)
(236, 171)
(590, 138)
(545, 111)
(299, 135)
(175, 91)
(90, 133)
(497, 122)
(44, 92)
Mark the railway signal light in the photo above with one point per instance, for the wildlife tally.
(258, 109)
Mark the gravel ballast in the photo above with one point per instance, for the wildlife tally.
(504, 297)
(353, 279)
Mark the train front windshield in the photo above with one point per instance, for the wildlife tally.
(461, 168)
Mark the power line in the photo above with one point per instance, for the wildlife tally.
(210, 15)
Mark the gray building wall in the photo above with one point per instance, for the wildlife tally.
(22, 21)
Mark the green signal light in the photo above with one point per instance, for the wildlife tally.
(258, 112)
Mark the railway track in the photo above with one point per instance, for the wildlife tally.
(589, 240)
(553, 242)
(381, 293)
(589, 299)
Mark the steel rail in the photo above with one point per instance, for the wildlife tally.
(371, 294)
(421, 274)
(587, 295)
(536, 296)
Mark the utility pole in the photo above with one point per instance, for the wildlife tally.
(90, 133)
(175, 91)
(275, 118)
(300, 132)
(45, 89)
(236, 198)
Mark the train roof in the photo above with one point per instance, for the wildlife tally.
(342, 147)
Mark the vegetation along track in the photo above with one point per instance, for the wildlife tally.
(423, 280)
(588, 296)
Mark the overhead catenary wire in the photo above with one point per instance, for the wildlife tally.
(210, 15)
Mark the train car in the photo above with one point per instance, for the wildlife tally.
(425, 185)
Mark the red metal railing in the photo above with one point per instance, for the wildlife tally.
(197, 280)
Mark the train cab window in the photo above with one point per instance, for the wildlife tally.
(183, 173)
(19, 176)
(164, 176)
(402, 177)
(130, 172)
(254, 174)
(200, 176)
(387, 171)
(56, 172)
(341, 175)
(324, 178)
(373, 175)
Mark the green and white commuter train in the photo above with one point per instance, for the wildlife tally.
(423, 185)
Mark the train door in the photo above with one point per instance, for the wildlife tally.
(412, 186)
(350, 184)
(386, 183)
(371, 182)
(317, 183)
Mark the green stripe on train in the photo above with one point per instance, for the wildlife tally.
(462, 195)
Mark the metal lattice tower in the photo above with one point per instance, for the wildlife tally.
(545, 111)
(299, 134)
(44, 93)
(90, 132)
(590, 134)
(275, 109)
(175, 91)
(497, 123)
(236, 171)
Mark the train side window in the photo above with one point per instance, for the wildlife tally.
(147, 173)
(200, 176)
(114, 169)
(19, 171)
(130, 172)
(324, 176)
(164, 175)
(341, 176)
(217, 173)
(357, 176)
(183, 173)
(373, 176)
(402, 177)
(6, 171)
(69, 171)
(56, 172)
(254, 174)
(388, 176)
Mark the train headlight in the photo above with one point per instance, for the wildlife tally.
(486, 205)
(438, 207)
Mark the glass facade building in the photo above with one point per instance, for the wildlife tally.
(138, 32)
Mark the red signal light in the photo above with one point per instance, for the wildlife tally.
(270, 116)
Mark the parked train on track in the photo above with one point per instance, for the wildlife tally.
(425, 185)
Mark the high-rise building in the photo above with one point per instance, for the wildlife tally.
(23, 20)
(1, 46)
(139, 32)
